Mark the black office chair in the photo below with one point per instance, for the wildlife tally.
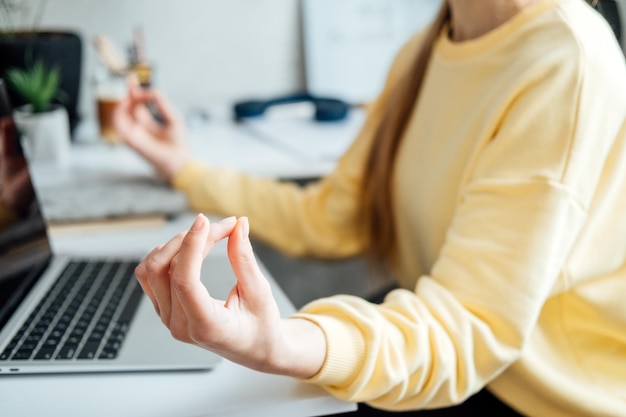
(613, 13)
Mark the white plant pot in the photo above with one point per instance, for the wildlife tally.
(46, 136)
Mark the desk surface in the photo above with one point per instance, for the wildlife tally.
(227, 390)
(284, 147)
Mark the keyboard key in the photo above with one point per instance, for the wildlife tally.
(73, 341)
(131, 306)
(66, 352)
(22, 355)
(45, 353)
(89, 350)
(108, 354)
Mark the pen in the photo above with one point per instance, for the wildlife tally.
(143, 70)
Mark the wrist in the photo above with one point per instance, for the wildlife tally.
(171, 168)
(303, 350)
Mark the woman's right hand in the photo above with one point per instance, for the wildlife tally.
(162, 144)
(246, 328)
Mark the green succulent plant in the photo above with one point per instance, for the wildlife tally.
(36, 84)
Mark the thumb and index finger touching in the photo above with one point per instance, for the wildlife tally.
(197, 243)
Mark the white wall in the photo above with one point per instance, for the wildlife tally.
(220, 51)
(204, 51)
(350, 44)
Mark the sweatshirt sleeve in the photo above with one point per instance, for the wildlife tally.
(518, 214)
(317, 220)
(467, 320)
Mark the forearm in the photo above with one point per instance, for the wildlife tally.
(294, 347)
(319, 220)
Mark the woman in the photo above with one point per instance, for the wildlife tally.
(489, 176)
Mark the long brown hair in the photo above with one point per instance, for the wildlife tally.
(376, 187)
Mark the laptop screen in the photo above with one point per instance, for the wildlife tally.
(24, 246)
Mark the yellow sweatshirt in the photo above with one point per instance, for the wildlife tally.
(510, 199)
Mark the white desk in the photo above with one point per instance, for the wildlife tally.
(281, 146)
(229, 389)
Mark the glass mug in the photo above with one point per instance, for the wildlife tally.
(110, 90)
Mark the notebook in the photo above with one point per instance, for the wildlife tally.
(61, 315)
(109, 197)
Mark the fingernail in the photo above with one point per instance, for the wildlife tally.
(198, 223)
(245, 227)
(228, 220)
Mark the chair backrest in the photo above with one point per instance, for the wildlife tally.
(614, 11)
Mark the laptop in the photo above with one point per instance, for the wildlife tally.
(64, 315)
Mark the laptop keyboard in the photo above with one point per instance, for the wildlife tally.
(84, 316)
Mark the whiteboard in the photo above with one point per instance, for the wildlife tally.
(350, 44)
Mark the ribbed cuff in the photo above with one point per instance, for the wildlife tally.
(185, 177)
(345, 351)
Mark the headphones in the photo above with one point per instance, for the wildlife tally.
(326, 109)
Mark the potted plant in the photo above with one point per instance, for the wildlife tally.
(43, 123)
(23, 40)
